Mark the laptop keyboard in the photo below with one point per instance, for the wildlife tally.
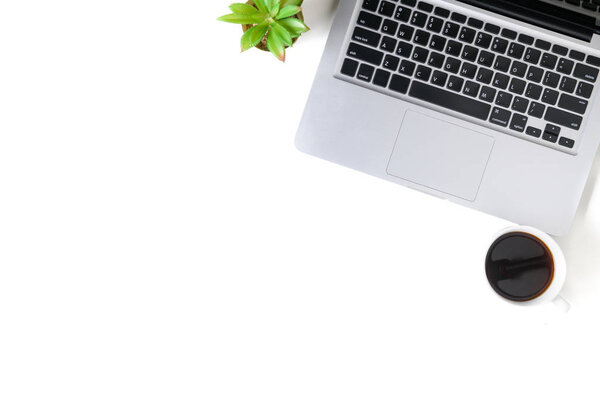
(513, 82)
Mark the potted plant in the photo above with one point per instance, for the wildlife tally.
(269, 25)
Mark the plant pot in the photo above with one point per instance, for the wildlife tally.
(263, 43)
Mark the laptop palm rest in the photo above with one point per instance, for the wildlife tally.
(440, 155)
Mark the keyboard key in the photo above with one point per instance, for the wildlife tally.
(436, 60)
(471, 88)
(402, 14)
(535, 132)
(560, 50)
(437, 43)
(386, 8)
(435, 24)
(567, 84)
(518, 123)
(418, 19)
(389, 27)
(369, 20)
(449, 100)
(388, 44)
(535, 74)
(550, 96)
(502, 64)
(399, 84)
(468, 70)
(586, 72)
(365, 36)
(455, 83)
(442, 12)
(501, 81)
(475, 23)
(365, 72)
(365, 53)
(452, 65)
(450, 29)
(425, 6)
(533, 91)
(517, 86)
(549, 137)
(577, 55)
(526, 39)
(467, 35)
(407, 67)
(549, 61)
(500, 117)
(536, 109)
(518, 69)
(507, 33)
(491, 28)
(552, 129)
(485, 75)
(486, 58)
(520, 104)
(595, 61)
(453, 48)
(420, 54)
(574, 104)
(487, 94)
(504, 99)
(542, 44)
(469, 53)
(381, 78)
(390, 62)
(483, 40)
(371, 5)
(499, 45)
(404, 49)
(563, 141)
(406, 32)
(584, 90)
(551, 79)
(349, 67)
(532, 55)
(423, 73)
(410, 3)
(563, 118)
(516, 50)
(460, 18)
(439, 78)
(421, 37)
(565, 66)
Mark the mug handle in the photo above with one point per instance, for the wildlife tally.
(561, 303)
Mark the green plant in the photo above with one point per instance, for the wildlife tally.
(273, 23)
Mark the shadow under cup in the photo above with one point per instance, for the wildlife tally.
(519, 266)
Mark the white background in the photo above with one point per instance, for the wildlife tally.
(161, 238)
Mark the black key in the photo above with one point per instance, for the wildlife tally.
(406, 32)
(483, 40)
(407, 67)
(369, 20)
(452, 101)
(486, 58)
(568, 84)
(436, 60)
(535, 132)
(520, 104)
(450, 29)
(420, 54)
(461, 19)
(501, 81)
(467, 35)
(365, 53)
(370, 5)
(518, 122)
(593, 61)
(499, 45)
(550, 96)
(435, 24)
(532, 55)
(389, 27)
(563, 118)
(549, 137)
(418, 19)
(471, 88)
(468, 70)
(535, 74)
(577, 55)
(410, 3)
(500, 117)
(442, 12)
(526, 39)
(504, 99)
(365, 72)
(425, 6)
(365, 36)
(565, 66)
(551, 79)
(542, 44)
(552, 129)
(390, 62)
(518, 69)
(455, 83)
(516, 50)
(485, 75)
(399, 84)
(453, 48)
(549, 61)
(574, 104)
(533, 91)
(584, 90)
(487, 94)
(452, 65)
(349, 67)
(388, 44)
(437, 43)
(475, 23)
(381, 78)
(563, 141)
(507, 33)
(423, 73)
(404, 49)
(439, 78)
(502, 64)
(421, 37)
(517, 86)
(536, 109)
(586, 72)
(402, 13)
(386, 8)
(469, 53)
(491, 28)
(560, 50)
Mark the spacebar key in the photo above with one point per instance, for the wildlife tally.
(452, 101)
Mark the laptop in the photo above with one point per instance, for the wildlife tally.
(492, 104)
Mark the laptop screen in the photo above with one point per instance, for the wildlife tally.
(553, 15)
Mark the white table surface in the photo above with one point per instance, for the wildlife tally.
(161, 237)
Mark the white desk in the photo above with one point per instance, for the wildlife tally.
(160, 236)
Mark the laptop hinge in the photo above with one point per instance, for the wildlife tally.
(542, 14)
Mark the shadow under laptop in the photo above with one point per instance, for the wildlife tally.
(582, 245)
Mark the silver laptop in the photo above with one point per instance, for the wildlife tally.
(492, 104)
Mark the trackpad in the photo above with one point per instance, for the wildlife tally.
(440, 155)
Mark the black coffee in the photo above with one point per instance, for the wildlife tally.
(519, 266)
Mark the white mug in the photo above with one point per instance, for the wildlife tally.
(552, 292)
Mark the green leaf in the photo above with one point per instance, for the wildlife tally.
(285, 3)
(243, 9)
(242, 19)
(262, 6)
(273, 7)
(294, 26)
(276, 45)
(288, 11)
(254, 35)
(283, 34)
